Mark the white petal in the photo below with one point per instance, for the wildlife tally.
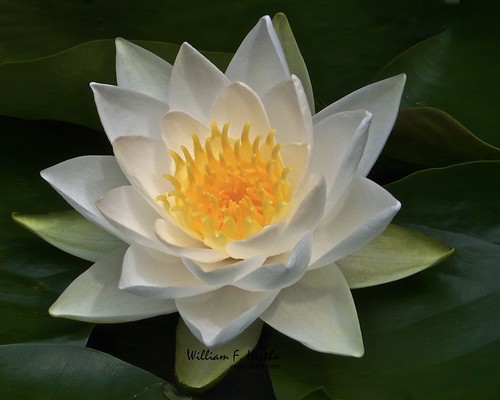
(223, 272)
(280, 271)
(157, 275)
(362, 213)
(84, 180)
(94, 296)
(130, 214)
(195, 83)
(219, 316)
(288, 110)
(261, 243)
(296, 156)
(177, 130)
(382, 100)
(144, 161)
(306, 215)
(198, 251)
(238, 104)
(339, 142)
(142, 71)
(124, 112)
(259, 61)
(319, 312)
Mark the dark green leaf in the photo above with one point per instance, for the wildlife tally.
(435, 335)
(424, 137)
(57, 87)
(456, 71)
(55, 372)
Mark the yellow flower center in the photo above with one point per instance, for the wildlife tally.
(229, 188)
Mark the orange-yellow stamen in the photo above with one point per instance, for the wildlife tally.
(229, 188)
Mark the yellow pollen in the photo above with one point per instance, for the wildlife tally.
(227, 189)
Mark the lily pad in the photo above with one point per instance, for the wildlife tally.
(425, 137)
(55, 372)
(435, 335)
(456, 71)
(43, 94)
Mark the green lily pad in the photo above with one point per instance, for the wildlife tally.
(198, 367)
(456, 71)
(54, 372)
(57, 87)
(425, 137)
(435, 335)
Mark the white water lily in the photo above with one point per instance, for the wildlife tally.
(235, 200)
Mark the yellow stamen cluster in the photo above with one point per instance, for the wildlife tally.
(229, 188)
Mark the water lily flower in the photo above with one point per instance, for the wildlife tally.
(234, 198)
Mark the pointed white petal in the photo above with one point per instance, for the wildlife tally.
(94, 296)
(224, 272)
(177, 128)
(288, 110)
(157, 275)
(84, 180)
(261, 243)
(306, 215)
(339, 143)
(124, 112)
(144, 161)
(361, 214)
(134, 218)
(259, 61)
(382, 100)
(238, 104)
(195, 83)
(198, 251)
(140, 70)
(279, 271)
(296, 156)
(319, 312)
(219, 316)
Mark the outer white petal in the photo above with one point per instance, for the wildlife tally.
(124, 112)
(198, 251)
(318, 311)
(288, 110)
(238, 104)
(84, 180)
(259, 61)
(382, 100)
(339, 143)
(177, 128)
(142, 71)
(223, 272)
(144, 161)
(195, 83)
(219, 316)
(361, 214)
(94, 296)
(280, 271)
(157, 275)
(130, 214)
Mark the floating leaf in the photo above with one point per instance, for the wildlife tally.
(56, 372)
